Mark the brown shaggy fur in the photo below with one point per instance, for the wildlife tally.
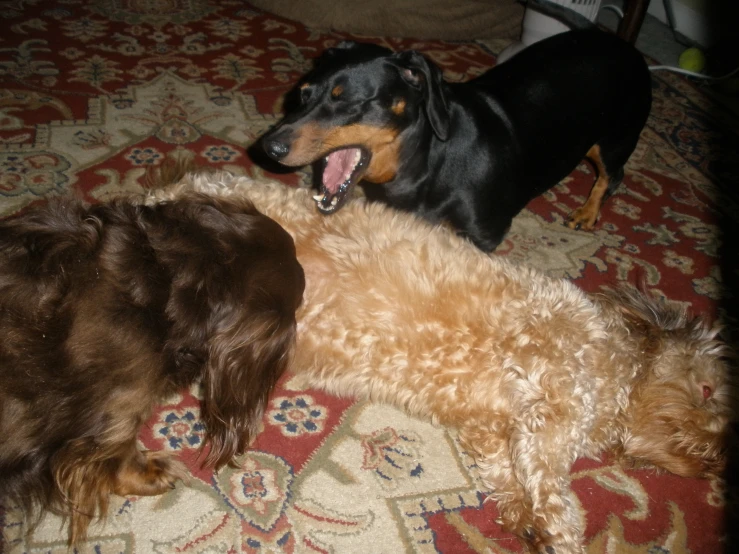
(531, 371)
(106, 310)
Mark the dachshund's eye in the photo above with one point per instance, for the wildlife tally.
(336, 92)
(411, 76)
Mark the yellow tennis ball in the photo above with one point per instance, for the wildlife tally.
(692, 59)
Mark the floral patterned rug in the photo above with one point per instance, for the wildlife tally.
(92, 93)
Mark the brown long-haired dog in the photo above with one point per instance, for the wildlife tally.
(531, 371)
(104, 311)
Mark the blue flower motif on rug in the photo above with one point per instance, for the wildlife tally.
(180, 429)
(297, 416)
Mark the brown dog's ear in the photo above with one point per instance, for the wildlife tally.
(421, 74)
(247, 355)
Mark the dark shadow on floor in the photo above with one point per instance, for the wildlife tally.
(723, 57)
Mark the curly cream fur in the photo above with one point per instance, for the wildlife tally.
(531, 371)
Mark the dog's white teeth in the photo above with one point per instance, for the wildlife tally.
(318, 197)
(334, 201)
(357, 157)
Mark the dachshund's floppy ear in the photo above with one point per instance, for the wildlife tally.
(418, 72)
(247, 356)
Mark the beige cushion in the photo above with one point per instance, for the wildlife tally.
(422, 19)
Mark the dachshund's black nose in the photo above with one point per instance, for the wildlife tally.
(275, 148)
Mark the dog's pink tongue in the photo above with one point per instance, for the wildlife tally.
(339, 167)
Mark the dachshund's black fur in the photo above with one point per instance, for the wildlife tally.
(475, 153)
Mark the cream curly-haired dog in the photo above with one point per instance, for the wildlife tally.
(531, 371)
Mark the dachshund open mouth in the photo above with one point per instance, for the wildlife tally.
(342, 169)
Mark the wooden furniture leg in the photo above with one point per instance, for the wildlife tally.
(634, 13)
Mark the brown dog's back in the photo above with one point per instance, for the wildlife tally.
(105, 310)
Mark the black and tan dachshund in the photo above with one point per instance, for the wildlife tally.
(472, 154)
